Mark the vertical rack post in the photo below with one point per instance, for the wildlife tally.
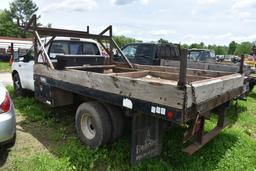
(241, 67)
(183, 69)
(35, 39)
(111, 45)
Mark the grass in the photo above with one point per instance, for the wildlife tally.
(5, 67)
(233, 149)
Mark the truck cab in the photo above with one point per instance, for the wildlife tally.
(23, 62)
(201, 55)
(148, 53)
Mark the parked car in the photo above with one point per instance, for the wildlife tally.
(7, 120)
(220, 58)
(148, 53)
(22, 66)
(201, 55)
(3, 55)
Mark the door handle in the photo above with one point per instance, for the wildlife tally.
(19, 65)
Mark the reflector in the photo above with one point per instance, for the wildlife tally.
(170, 115)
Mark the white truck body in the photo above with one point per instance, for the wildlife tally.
(25, 68)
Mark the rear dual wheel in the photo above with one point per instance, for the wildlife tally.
(98, 124)
(93, 124)
(19, 91)
(117, 121)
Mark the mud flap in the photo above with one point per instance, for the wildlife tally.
(146, 137)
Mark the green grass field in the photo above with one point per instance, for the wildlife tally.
(5, 67)
(233, 149)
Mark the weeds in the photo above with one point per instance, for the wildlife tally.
(233, 149)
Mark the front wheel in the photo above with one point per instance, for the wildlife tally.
(19, 91)
(93, 124)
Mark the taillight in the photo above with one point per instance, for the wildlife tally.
(5, 105)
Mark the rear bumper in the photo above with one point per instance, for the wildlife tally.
(7, 126)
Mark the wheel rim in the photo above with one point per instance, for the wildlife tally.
(87, 126)
(17, 85)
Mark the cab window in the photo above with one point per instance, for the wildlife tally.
(90, 49)
(130, 51)
(73, 48)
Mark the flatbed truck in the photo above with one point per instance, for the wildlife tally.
(152, 96)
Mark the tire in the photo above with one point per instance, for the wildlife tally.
(19, 91)
(93, 124)
(117, 121)
(11, 143)
(251, 86)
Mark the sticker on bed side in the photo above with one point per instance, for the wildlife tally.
(127, 103)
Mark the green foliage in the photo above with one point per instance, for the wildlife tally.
(23, 9)
(122, 40)
(7, 26)
(221, 50)
(18, 8)
(232, 47)
(43, 162)
(30, 107)
(185, 46)
(233, 149)
(197, 46)
(163, 41)
(5, 67)
(244, 48)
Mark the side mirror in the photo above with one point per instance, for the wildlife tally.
(21, 59)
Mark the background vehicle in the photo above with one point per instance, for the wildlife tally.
(201, 55)
(149, 53)
(7, 120)
(3, 55)
(22, 66)
(10, 44)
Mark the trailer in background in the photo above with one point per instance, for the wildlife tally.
(9, 45)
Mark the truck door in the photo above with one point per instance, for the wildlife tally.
(145, 54)
(27, 71)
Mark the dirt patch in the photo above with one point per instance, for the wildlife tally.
(26, 144)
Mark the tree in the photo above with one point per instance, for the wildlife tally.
(122, 40)
(23, 9)
(243, 48)
(163, 41)
(221, 50)
(7, 26)
(198, 45)
(232, 47)
(185, 46)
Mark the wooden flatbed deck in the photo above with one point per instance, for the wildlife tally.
(152, 84)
